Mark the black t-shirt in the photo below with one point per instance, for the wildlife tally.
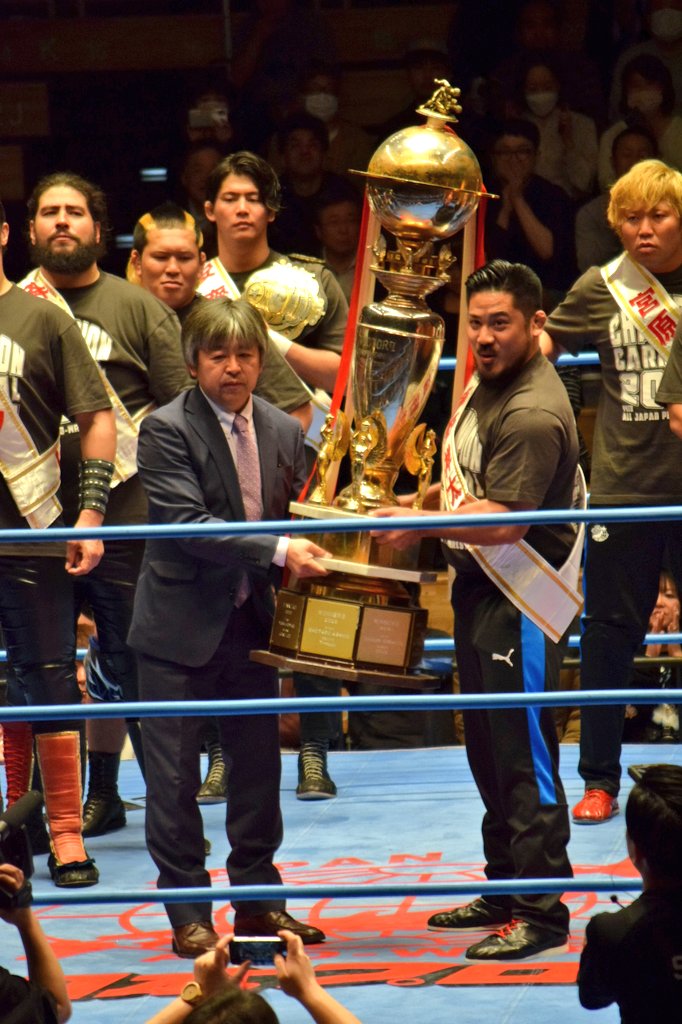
(518, 443)
(636, 457)
(136, 340)
(24, 1002)
(46, 372)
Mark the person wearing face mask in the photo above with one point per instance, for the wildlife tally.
(664, 19)
(350, 146)
(648, 102)
(568, 141)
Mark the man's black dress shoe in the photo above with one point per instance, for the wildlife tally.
(272, 923)
(518, 940)
(191, 940)
(479, 914)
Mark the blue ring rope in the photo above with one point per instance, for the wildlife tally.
(316, 892)
(643, 513)
(291, 705)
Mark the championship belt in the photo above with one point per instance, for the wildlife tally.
(644, 300)
(127, 424)
(288, 296)
(547, 596)
(286, 314)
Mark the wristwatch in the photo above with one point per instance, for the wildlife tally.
(192, 993)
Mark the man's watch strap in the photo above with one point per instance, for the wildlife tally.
(192, 993)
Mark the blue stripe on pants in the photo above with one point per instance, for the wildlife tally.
(533, 655)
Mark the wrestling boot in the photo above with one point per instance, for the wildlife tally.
(59, 760)
(213, 789)
(18, 737)
(103, 810)
(19, 771)
(314, 782)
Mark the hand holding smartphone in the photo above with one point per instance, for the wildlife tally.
(259, 951)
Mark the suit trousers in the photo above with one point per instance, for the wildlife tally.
(513, 753)
(251, 750)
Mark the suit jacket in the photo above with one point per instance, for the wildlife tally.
(187, 586)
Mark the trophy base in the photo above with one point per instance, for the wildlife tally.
(359, 623)
(347, 673)
(356, 626)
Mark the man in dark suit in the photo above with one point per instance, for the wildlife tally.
(203, 604)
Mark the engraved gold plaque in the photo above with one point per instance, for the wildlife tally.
(330, 628)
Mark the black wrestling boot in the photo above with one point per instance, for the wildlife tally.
(213, 789)
(103, 810)
(314, 782)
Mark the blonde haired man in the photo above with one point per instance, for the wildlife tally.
(628, 310)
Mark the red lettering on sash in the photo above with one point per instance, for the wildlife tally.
(33, 288)
(645, 301)
(662, 327)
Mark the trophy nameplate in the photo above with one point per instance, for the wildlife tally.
(330, 629)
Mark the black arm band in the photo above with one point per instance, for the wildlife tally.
(94, 484)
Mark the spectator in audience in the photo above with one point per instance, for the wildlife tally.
(338, 213)
(595, 240)
(214, 997)
(539, 38)
(658, 723)
(303, 142)
(195, 168)
(664, 19)
(425, 61)
(208, 120)
(273, 46)
(632, 957)
(532, 221)
(43, 998)
(648, 103)
(350, 146)
(567, 155)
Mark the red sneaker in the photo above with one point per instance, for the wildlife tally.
(596, 806)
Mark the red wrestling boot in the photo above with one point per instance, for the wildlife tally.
(60, 767)
(19, 771)
(18, 758)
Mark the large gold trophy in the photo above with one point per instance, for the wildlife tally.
(362, 622)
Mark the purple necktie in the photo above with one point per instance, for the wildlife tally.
(248, 470)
